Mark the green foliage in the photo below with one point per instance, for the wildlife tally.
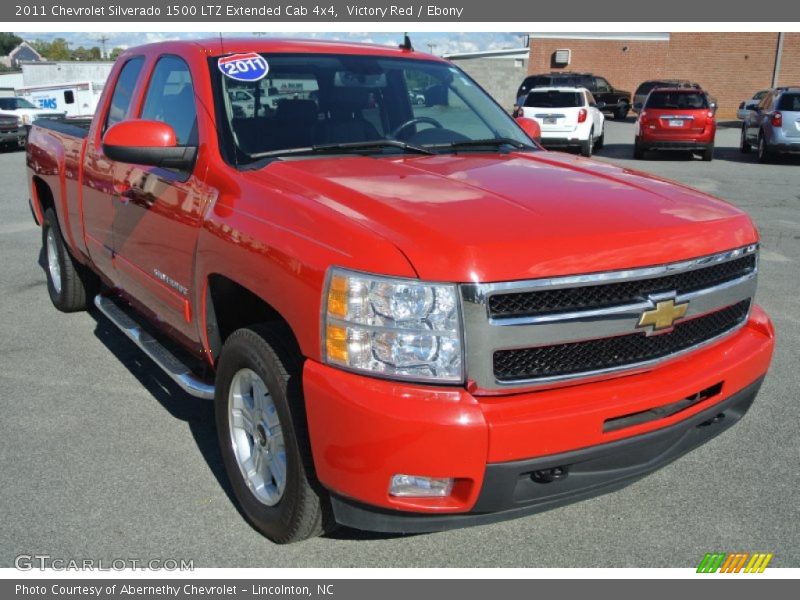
(82, 53)
(115, 53)
(58, 49)
(8, 41)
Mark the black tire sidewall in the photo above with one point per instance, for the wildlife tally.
(744, 145)
(51, 222)
(276, 522)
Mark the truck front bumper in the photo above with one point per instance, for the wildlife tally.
(522, 453)
(16, 137)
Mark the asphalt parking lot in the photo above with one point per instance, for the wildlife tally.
(104, 458)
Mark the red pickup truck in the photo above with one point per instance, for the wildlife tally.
(410, 317)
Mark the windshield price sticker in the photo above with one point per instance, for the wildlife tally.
(244, 67)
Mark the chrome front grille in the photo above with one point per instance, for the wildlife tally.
(526, 334)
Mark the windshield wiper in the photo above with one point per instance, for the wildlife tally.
(486, 143)
(356, 147)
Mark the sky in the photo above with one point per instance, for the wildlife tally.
(442, 43)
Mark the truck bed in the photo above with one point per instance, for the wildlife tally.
(75, 127)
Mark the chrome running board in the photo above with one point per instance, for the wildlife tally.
(172, 366)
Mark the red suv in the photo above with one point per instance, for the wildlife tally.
(676, 119)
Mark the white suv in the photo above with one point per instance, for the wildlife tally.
(569, 117)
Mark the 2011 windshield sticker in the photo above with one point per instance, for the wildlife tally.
(244, 67)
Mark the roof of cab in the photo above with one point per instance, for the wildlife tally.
(219, 47)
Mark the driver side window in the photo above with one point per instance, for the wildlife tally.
(170, 98)
(432, 99)
(601, 85)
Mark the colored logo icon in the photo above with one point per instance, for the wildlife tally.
(742, 562)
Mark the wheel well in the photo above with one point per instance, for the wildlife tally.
(231, 306)
(43, 194)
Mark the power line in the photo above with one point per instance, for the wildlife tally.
(103, 39)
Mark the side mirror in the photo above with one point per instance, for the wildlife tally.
(143, 142)
(638, 106)
(713, 105)
(530, 127)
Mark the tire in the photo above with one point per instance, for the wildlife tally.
(744, 145)
(588, 145)
(71, 285)
(708, 154)
(279, 495)
(621, 111)
(763, 153)
(601, 141)
(638, 151)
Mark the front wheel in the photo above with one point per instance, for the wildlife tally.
(708, 154)
(744, 145)
(263, 438)
(588, 145)
(764, 155)
(601, 141)
(70, 284)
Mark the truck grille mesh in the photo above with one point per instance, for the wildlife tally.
(593, 355)
(525, 304)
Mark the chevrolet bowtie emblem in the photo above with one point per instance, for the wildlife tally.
(664, 315)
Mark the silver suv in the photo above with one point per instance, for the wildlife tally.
(774, 125)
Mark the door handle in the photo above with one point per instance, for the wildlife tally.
(136, 195)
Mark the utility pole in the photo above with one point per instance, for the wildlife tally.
(777, 69)
(103, 39)
(431, 47)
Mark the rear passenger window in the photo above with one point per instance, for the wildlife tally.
(170, 99)
(554, 99)
(789, 103)
(123, 92)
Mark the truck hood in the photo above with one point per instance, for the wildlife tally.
(502, 217)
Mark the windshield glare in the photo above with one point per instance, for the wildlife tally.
(14, 103)
(320, 99)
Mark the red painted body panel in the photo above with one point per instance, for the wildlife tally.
(519, 216)
(458, 218)
(140, 132)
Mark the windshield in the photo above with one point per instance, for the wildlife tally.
(14, 103)
(677, 100)
(554, 99)
(314, 100)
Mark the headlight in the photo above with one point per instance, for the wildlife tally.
(395, 328)
(20, 121)
(27, 119)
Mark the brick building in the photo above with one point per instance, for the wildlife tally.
(730, 66)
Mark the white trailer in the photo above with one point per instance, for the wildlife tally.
(75, 99)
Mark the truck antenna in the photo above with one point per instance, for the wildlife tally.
(406, 45)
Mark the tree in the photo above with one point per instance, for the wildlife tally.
(82, 53)
(8, 41)
(115, 53)
(58, 49)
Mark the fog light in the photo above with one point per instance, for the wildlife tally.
(420, 487)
